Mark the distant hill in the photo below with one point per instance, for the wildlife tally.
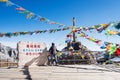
(7, 52)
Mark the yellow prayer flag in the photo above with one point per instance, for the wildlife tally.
(108, 47)
(90, 38)
(29, 15)
(59, 54)
(82, 56)
(105, 25)
(4, 0)
(114, 32)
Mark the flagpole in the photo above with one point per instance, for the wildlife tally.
(73, 29)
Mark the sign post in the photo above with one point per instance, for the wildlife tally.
(32, 53)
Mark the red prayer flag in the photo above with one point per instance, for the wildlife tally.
(118, 52)
(68, 35)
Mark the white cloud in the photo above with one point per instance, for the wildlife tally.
(10, 44)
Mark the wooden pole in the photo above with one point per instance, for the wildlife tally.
(74, 24)
(73, 29)
(0, 62)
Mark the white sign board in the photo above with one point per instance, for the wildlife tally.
(32, 53)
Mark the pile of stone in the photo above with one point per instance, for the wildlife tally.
(76, 53)
(7, 54)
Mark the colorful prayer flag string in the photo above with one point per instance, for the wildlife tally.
(10, 34)
(103, 45)
(31, 15)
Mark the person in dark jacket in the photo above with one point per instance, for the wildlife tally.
(53, 52)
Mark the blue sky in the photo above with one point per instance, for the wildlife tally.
(87, 13)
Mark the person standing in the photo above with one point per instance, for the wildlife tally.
(53, 51)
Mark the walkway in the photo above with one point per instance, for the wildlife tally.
(63, 72)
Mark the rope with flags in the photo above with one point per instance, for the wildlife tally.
(30, 14)
(10, 34)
